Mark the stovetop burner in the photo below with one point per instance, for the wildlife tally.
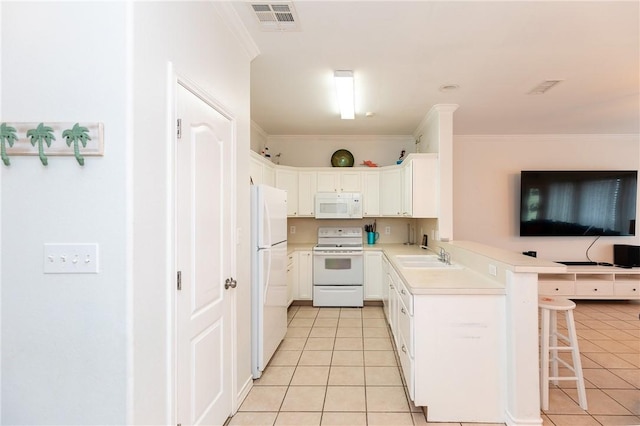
(349, 238)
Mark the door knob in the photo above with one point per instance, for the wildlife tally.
(230, 283)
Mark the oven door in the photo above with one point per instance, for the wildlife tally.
(335, 268)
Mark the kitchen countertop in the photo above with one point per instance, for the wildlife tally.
(472, 279)
(463, 281)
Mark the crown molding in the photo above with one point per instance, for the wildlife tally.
(237, 28)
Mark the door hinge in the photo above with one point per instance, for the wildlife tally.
(179, 280)
(179, 128)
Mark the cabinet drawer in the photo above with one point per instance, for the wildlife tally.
(406, 362)
(558, 288)
(627, 288)
(405, 326)
(594, 288)
(405, 296)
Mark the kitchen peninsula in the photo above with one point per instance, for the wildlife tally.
(466, 335)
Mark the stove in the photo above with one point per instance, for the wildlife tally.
(338, 267)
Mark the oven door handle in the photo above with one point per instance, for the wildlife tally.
(349, 254)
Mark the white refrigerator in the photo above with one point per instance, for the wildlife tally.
(269, 273)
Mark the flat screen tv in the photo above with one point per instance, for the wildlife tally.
(578, 203)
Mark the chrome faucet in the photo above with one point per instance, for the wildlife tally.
(444, 257)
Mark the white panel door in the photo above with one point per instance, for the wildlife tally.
(204, 254)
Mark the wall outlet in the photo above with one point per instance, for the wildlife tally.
(387, 230)
(292, 229)
(70, 259)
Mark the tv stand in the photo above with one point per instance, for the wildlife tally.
(592, 282)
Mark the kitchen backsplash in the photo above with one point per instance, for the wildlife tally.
(306, 229)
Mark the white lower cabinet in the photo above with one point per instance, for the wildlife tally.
(451, 351)
(591, 282)
(385, 286)
(373, 276)
(305, 275)
(292, 277)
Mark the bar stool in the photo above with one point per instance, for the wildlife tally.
(549, 348)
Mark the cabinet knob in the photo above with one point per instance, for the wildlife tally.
(557, 289)
(595, 289)
(403, 311)
(404, 349)
(402, 291)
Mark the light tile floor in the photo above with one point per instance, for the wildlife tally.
(336, 366)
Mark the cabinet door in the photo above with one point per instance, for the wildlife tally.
(393, 305)
(255, 171)
(292, 276)
(373, 275)
(306, 193)
(350, 182)
(424, 187)
(305, 275)
(391, 192)
(269, 176)
(407, 189)
(371, 193)
(288, 180)
(328, 182)
(385, 287)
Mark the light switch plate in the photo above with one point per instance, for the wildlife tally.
(70, 259)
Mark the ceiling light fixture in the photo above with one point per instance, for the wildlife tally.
(344, 89)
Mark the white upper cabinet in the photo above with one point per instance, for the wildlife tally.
(287, 179)
(261, 170)
(409, 189)
(424, 184)
(306, 193)
(339, 181)
(370, 193)
(391, 192)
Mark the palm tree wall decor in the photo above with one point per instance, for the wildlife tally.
(75, 135)
(41, 134)
(83, 139)
(7, 136)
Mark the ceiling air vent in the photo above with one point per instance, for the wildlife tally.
(276, 16)
(544, 87)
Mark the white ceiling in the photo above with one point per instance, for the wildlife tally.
(401, 52)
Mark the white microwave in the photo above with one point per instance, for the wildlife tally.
(338, 205)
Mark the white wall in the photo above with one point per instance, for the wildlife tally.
(258, 138)
(486, 187)
(64, 337)
(316, 151)
(195, 39)
(93, 349)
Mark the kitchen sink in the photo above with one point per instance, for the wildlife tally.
(423, 261)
